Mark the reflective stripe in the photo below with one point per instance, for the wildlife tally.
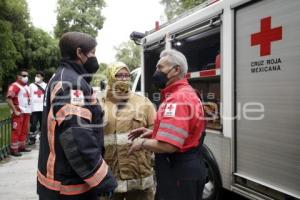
(134, 184)
(98, 176)
(174, 128)
(62, 189)
(116, 139)
(91, 182)
(55, 90)
(171, 137)
(74, 189)
(51, 123)
(22, 144)
(70, 109)
(14, 145)
(48, 183)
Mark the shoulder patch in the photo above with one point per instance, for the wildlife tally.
(170, 110)
(77, 97)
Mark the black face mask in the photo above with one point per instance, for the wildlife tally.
(160, 78)
(91, 65)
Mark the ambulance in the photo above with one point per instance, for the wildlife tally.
(244, 59)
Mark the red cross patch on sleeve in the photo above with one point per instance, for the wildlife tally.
(77, 97)
(170, 110)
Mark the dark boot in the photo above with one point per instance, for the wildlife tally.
(16, 153)
(25, 150)
(31, 141)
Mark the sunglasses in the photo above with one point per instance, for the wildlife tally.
(24, 75)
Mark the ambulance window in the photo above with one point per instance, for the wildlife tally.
(151, 58)
(203, 55)
(201, 50)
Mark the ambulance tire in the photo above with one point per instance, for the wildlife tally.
(213, 186)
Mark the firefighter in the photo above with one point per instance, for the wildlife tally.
(177, 136)
(18, 99)
(71, 164)
(125, 111)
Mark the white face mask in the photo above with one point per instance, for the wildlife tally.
(37, 79)
(24, 80)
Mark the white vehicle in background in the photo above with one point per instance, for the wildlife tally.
(136, 80)
(244, 58)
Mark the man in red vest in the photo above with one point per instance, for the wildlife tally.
(178, 132)
(18, 99)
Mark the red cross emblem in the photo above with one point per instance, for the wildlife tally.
(39, 93)
(77, 93)
(170, 107)
(266, 36)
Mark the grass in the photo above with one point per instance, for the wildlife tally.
(4, 111)
(4, 129)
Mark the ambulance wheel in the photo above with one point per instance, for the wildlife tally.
(213, 186)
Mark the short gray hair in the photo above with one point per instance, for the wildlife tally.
(176, 58)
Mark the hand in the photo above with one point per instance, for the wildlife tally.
(147, 134)
(17, 113)
(136, 146)
(137, 133)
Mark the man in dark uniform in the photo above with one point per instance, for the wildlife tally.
(177, 136)
(71, 164)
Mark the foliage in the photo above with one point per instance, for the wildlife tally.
(23, 45)
(8, 51)
(4, 111)
(77, 15)
(41, 53)
(14, 20)
(100, 75)
(130, 54)
(175, 7)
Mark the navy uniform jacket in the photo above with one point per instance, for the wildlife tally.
(71, 161)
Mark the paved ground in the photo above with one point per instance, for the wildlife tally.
(18, 177)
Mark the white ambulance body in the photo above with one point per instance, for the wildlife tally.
(253, 100)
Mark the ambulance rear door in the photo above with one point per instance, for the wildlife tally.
(267, 94)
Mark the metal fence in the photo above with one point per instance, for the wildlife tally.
(5, 135)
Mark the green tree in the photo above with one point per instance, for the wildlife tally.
(23, 45)
(129, 53)
(41, 49)
(100, 75)
(14, 21)
(175, 7)
(77, 15)
(8, 53)
(41, 52)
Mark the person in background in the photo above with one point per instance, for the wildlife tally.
(18, 99)
(37, 91)
(126, 111)
(178, 133)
